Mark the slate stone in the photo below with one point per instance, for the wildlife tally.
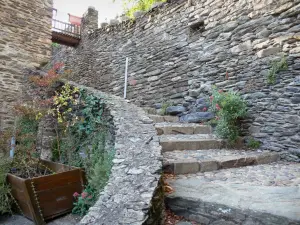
(197, 117)
(295, 100)
(175, 110)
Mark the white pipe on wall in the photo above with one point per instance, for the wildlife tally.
(126, 76)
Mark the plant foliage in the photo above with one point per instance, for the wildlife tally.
(131, 6)
(229, 107)
(253, 144)
(276, 66)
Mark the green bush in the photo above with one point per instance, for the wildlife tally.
(253, 144)
(229, 108)
(131, 6)
(82, 142)
(163, 110)
(276, 66)
(5, 196)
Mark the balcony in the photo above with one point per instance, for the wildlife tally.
(66, 33)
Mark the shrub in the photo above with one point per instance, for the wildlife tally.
(84, 201)
(276, 66)
(163, 110)
(131, 6)
(5, 196)
(229, 108)
(253, 144)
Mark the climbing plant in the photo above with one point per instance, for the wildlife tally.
(82, 141)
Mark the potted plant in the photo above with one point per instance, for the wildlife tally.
(49, 193)
(41, 189)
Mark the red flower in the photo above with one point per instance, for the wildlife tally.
(211, 98)
(204, 109)
(90, 197)
(75, 195)
(218, 107)
(217, 118)
(58, 66)
(84, 194)
(220, 91)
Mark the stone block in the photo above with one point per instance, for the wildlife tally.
(268, 52)
(207, 166)
(186, 167)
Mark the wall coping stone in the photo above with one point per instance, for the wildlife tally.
(136, 167)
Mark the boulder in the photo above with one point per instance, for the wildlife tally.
(197, 117)
(175, 110)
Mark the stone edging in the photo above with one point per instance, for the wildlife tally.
(136, 171)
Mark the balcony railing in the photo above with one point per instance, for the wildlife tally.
(66, 28)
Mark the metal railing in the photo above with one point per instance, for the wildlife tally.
(66, 28)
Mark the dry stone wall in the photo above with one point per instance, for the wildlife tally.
(177, 52)
(25, 38)
(134, 192)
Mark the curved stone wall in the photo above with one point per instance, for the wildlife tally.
(177, 52)
(133, 194)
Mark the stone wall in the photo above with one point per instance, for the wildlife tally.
(177, 52)
(25, 38)
(134, 194)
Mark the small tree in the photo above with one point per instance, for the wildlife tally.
(131, 6)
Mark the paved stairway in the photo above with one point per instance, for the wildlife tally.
(218, 186)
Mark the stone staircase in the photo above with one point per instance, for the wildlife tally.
(219, 186)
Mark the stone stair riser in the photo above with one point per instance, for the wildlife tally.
(191, 144)
(183, 130)
(186, 167)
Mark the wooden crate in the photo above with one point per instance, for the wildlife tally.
(54, 192)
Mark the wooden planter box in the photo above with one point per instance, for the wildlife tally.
(54, 193)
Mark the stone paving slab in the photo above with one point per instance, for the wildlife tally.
(20, 220)
(193, 161)
(253, 195)
(182, 128)
(190, 142)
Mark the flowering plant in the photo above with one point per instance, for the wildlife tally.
(84, 201)
(228, 107)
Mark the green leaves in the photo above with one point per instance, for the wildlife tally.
(131, 6)
(229, 107)
(276, 66)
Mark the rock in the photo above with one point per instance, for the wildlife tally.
(264, 33)
(113, 22)
(194, 92)
(295, 100)
(197, 117)
(268, 51)
(200, 107)
(200, 101)
(175, 110)
(241, 47)
(184, 223)
(104, 24)
(230, 26)
(157, 106)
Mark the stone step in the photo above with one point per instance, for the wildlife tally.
(182, 128)
(194, 161)
(254, 195)
(190, 142)
(161, 119)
